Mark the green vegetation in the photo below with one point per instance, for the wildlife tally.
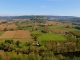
(24, 28)
(46, 40)
(1, 58)
(18, 51)
(36, 32)
(23, 40)
(52, 37)
(70, 29)
(55, 26)
(77, 33)
(3, 39)
(2, 32)
(27, 28)
(61, 28)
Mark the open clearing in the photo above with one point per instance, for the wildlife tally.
(23, 40)
(21, 35)
(51, 36)
(55, 26)
(36, 32)
(18, 34)
(61, 28)
(3, 26)
(8, 34)
(1, 32)
(26, 34)
(8, 26)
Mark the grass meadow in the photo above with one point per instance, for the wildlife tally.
(52, 37)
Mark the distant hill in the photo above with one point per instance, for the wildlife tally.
(40, 16)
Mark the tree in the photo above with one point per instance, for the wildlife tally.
(35, 38)
(1, 57)
(42, 49)
(18, 43)
(48, 56)
(2, 45)
(33, 56)
(9, 41)
(60, 57)
(25, 51)
(49, 46)
(15, 58)
(32, 48)
(5, 29)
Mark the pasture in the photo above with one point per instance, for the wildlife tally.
(55, 27)
(36, 32)
(52, 37)
(61, 28)
(3, 39)
(1, 32)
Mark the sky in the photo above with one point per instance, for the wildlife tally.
(40, 7)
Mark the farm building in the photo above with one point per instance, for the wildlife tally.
(35, 43)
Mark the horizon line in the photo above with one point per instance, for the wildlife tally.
(37, 15)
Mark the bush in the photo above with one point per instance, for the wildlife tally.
(1, 57)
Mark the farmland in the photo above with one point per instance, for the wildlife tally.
(55, 27)
(18, 34)
(8, 34)
(61, 28)
(36, 32)
(1, 32)
(21, 35)
(23, 39)
(52, 37)
(8, 26)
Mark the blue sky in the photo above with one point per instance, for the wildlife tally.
(40, 7)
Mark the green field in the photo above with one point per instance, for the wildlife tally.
(51, 36)
(36, 32)
(1, 32)
(70, 29)
(60, 27)
(55, 26)
(27, 28)
(21, 40)
(3, 39)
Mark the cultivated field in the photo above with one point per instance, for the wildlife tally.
(3, 26)
(8, 26)
(1, 32)
(36, 32)
(11, 26)
(18, 34)
(61, 28)
(26, 34)
(21, 35)
(8, 34)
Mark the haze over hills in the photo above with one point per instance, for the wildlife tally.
(33, 16)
